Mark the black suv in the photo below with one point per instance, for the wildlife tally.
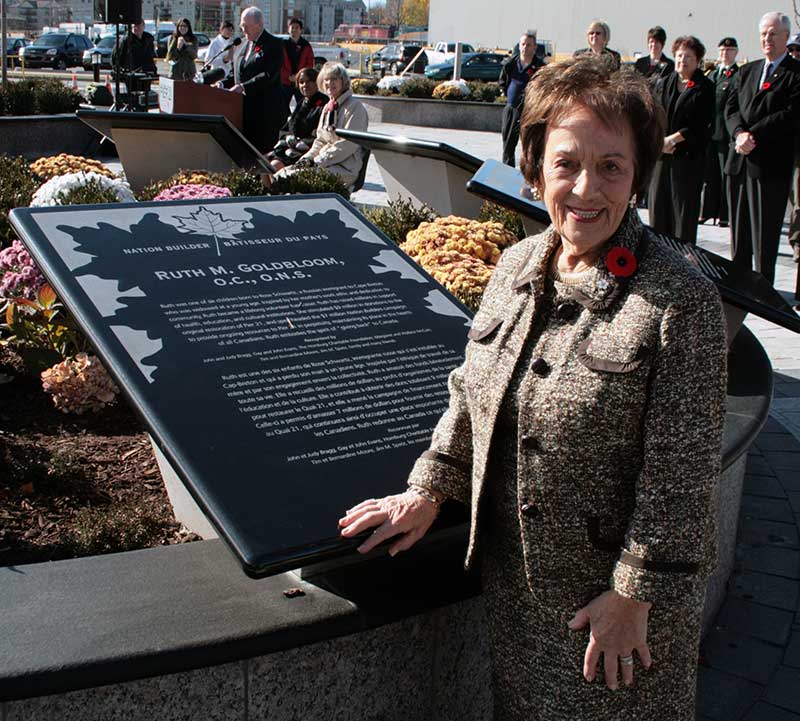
(56, 50)
(395, 57)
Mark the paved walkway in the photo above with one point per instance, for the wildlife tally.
(750, 663)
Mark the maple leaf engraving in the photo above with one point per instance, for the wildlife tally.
(204, 222)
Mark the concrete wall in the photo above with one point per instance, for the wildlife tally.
(564, 23)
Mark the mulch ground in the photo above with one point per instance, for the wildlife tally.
(76, 485)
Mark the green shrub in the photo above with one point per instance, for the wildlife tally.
(17, 186)
(386, 92)
(307, 180)
(417, 88)
(53, 97)
(364, 86)
(399, 218)
(483, 92)
(509, 218)
(18, 98)
(242, 182)
(89, 193)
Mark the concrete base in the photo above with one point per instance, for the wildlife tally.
(436, 183)
(431, 667)
(456, 114)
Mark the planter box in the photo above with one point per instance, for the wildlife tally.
(456, 114)
(33, 136)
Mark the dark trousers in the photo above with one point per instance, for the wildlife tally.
(794, 199)
(757, 209)
(674, 196)
(715, 187)
(510, 133)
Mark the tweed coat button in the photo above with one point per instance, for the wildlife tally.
(540, 366)
(566, 311)
(529, 510)
(531, 443)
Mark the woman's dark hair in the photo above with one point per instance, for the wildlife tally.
(295, 21)
(306, 74)
(690, 42)
(189, 35)
(658, 34)
(613, 96)
(227, 24)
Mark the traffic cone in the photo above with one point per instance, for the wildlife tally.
(75, 82)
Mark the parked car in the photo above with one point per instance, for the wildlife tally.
(474, 66)
(13, 46)
(442, 52)
(395, 57)
(162, 40)
(105, 47)
(330, 52)
(56, 50)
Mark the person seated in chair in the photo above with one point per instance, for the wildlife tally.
(341, 157)
(300, 129)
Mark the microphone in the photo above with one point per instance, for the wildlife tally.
(212, 76)
(234, 43)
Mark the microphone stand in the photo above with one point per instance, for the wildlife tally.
(207, 64)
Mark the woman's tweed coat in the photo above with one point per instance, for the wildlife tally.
(617, 457)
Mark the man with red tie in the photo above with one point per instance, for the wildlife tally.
(257, 74)
(763, 117)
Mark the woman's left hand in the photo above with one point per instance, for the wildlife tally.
(618, 627)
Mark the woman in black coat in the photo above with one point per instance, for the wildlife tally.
(687, 97)
(300, 130)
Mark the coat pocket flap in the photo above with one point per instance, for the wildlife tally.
(611, 360)
(485, 329)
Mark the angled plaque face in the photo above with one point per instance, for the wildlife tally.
(288, 359)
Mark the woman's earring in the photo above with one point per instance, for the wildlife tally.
(632, 202)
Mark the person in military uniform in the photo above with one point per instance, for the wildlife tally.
(715, 186)
(584, 428)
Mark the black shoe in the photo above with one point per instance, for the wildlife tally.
(703, 221)
(724, 224)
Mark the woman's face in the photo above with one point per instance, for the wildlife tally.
(596, 39)
(333, 85)
(183, 28)
(685, 62)
(587, 178)
(307, 86)
(655, 48)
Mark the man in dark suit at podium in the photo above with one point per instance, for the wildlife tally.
(763, 118)
(257, 75)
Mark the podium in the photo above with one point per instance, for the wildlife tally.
(189, 98)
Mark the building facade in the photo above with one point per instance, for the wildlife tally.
(564, 23)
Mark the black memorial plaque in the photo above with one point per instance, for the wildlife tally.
(742, 288)
(288, 359)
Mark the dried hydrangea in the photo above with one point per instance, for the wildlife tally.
(452, 90)
(484, 241)
(79, 385)
(49, 167)
(55, 189)
(193, 192)
(19, 276)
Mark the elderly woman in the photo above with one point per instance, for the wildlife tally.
(302, 124)
(182, 51)
(341, 157)
(584, 428)
(598, 35)
(687, 97)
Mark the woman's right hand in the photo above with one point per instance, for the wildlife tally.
(407, 515)
(181, 42)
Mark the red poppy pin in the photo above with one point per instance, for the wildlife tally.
(690, 84)
(257, 49)
(620, 262)
(530, 72)
(320, 103)
(766, 86)
(728, 73)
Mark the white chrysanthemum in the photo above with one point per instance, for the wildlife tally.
(52, 192)
(393, 82)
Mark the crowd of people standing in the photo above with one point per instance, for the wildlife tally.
(730, 153)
